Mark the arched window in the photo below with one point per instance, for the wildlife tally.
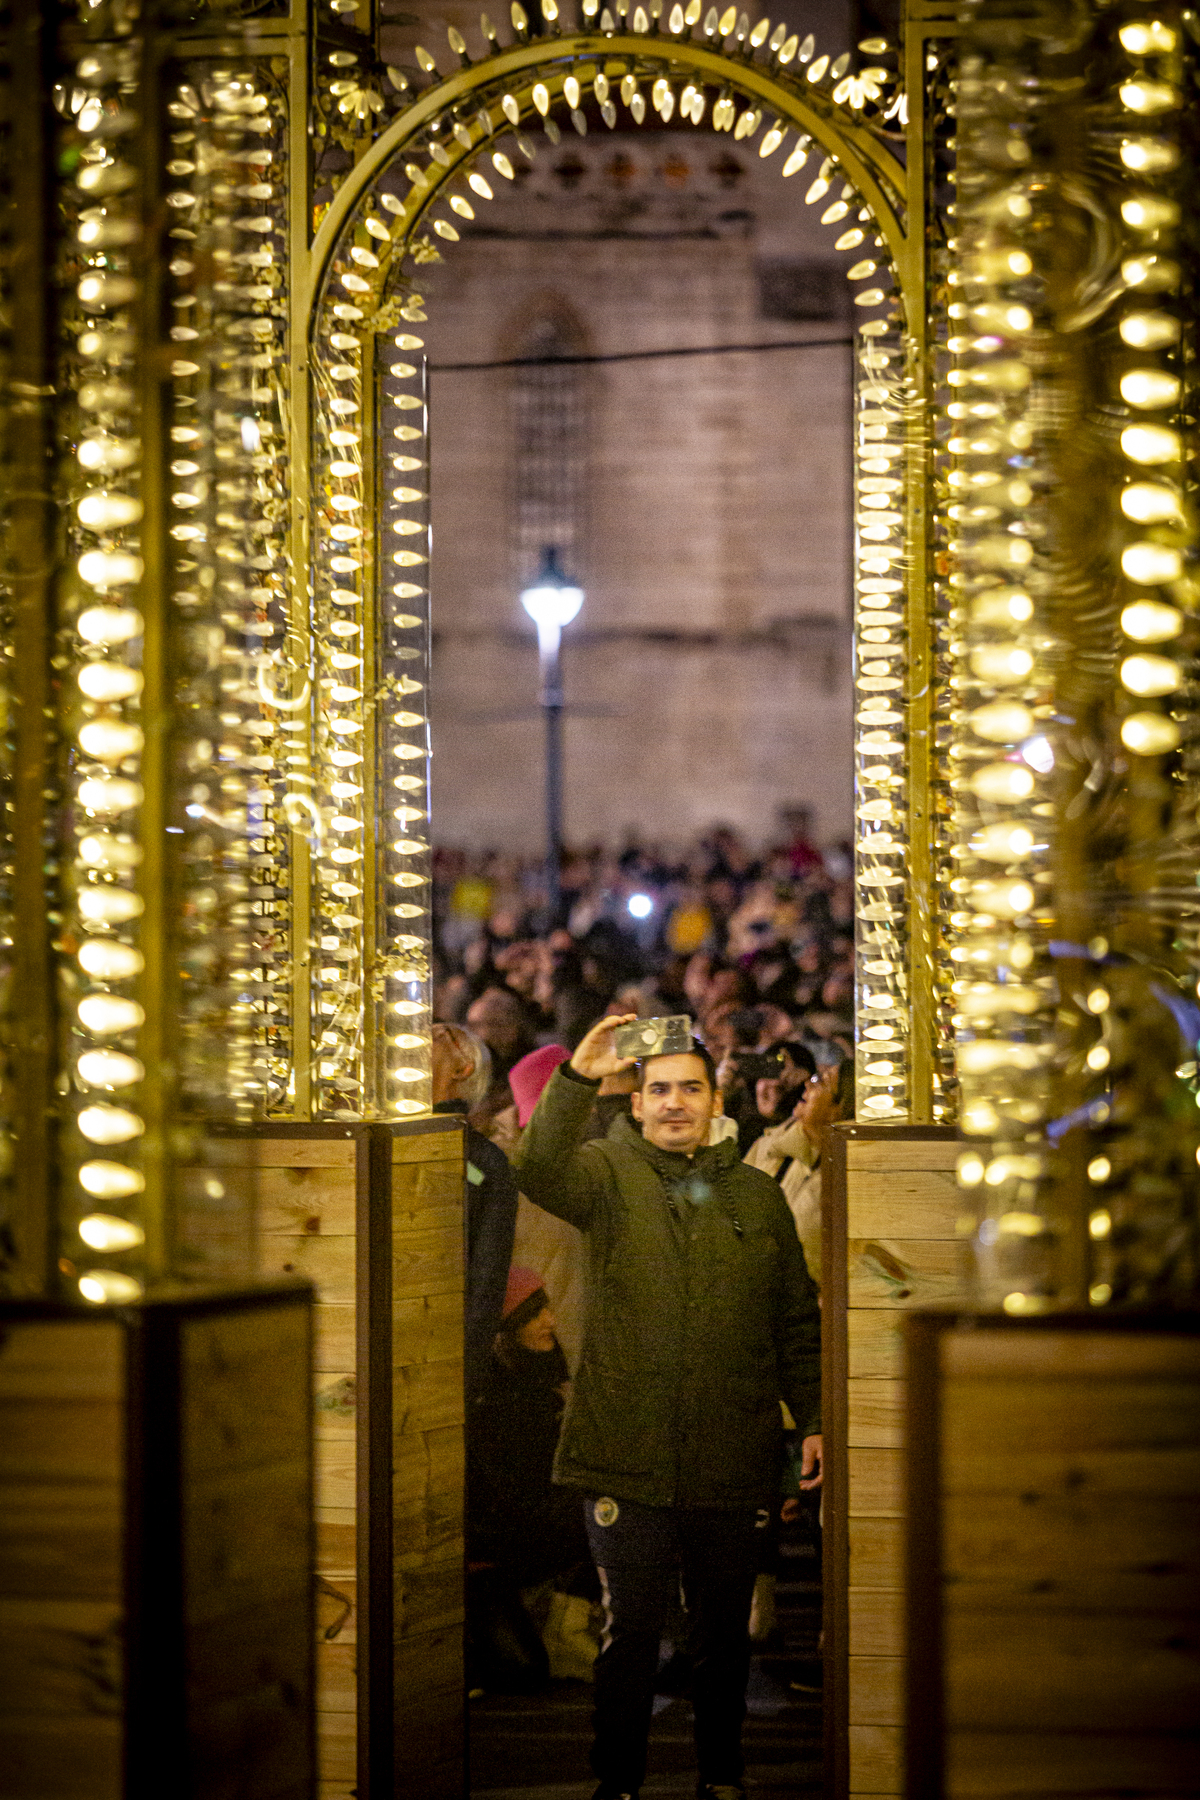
(549, 398)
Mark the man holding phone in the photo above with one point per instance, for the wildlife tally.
(701, 1318)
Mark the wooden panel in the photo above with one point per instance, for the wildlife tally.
(1046, 1766)
(876, 1690)
(875, 1411)
(306, 1151)
(1059, 1576)
(903, 1272)
(875, 1342)
(62, 1525)
(892, 1245)
(328, 1262)
(427, 1463)
(307, 1201)
(887, 1153)
(923, 1203)
(876, 1553)
(876, 1481)
(875, 1759)
(877, 1621)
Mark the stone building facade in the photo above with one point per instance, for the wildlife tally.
(707, 677)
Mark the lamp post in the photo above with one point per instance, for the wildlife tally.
(552, 602)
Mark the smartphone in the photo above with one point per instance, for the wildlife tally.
(654, 1037)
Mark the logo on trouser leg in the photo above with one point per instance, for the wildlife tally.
(605, 1512)
(762, 1518)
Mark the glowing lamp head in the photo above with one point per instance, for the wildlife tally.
(640, 905)
(552, 601)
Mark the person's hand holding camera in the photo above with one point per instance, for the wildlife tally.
(595, 1056)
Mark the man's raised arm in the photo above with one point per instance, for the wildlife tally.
(548, 1163)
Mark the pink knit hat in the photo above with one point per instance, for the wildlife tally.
(528, 1077)
(522, 1285)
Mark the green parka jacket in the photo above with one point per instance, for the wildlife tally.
(701, 1313)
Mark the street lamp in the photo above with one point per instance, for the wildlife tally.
(552, 602)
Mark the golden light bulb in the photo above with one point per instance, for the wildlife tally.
(106, 960)
(109, 624)
(1149, 156)
(1149, 734)
(1148, 97)
(1149, 388)
(109, 682)
(1151, 622)
(1149, 676)
(1149, 330)
(1002, 783)
(109, 1124)
(109, 1068)
(104, 1231)
(1148, 444)
(104, 1014)
(106, 1286)
(110, 795)
(1149, 503)
(106, 512)
(1144, 38)
(108, 906)
(1151, 564)
(110, 1180)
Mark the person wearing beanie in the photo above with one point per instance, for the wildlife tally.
(702, 1318)
(522, 1530)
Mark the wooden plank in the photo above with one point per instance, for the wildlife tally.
(999, 1355)
(875, 1342)
(1066, 1415)
(876, 1690)
(337, 1610)
(335, 1335)
(1148, 1470)
(306, 1202)
(891, 1154)
(876, 1482)
(427, 1262)
(428, 1328)
(60, 1656)
(875, 1759)
(62, 1361)
(327, 1262)
(902, 1272)
(875, 1414)
(57, 1756)
(1049, 1766)
(903, 1204)
(306, 1152)
(877, 1621)
(429, 1146)
(61, 1539)
(337, 1539)
(337, 1679)
(246, 1538)
(337, 1747)
(336, 1477)
(1071, 1673)
(876, 1553)
(241, 1402)
(46, 1441)
(428, 1395)
(1043, 1538)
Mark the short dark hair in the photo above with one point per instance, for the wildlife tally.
(697, 1049)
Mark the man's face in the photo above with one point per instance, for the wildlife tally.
(676, 1104)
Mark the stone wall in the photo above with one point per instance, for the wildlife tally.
(708, 675)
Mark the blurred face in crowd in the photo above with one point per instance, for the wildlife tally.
(496, 1017)
(448, 1064)
(774, 1094)
(818, 1108)
(676, 1103)
(539, 1333)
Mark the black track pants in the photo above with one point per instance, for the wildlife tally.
(641, 1552)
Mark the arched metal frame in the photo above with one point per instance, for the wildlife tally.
(359, 1064)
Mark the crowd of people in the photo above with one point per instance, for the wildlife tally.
(605, 1196)
(758, 948)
